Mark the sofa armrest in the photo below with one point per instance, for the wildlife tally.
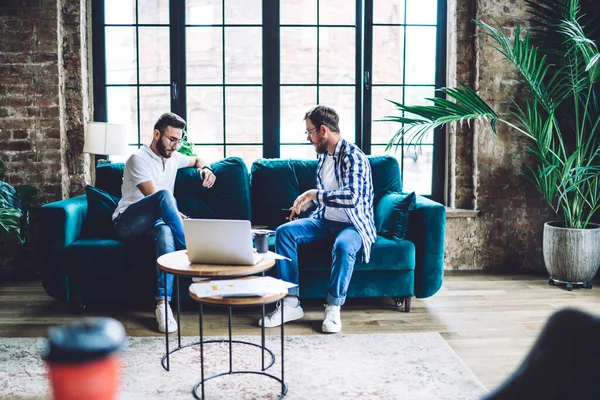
(61, 224)
(426, 230)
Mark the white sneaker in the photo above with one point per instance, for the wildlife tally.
(290, 313)
(332, 323)
(160, 318)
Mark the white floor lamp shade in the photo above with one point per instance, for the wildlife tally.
(104, 138)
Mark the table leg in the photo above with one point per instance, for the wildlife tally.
(178, 314)
(202, 349)
(166, 321)
(230, 344)
(282, 379)
(262, 336)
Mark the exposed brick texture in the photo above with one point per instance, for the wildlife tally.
(41, 133)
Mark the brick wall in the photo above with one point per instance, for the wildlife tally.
(43, 100)
(507, 235)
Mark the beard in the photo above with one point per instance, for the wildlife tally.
(162, 149)
(320, 146)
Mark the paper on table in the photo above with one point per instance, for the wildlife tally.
(262, 286)
(270, 254)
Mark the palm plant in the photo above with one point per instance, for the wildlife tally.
(559, 66)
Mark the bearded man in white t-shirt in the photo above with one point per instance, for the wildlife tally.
(148, 206)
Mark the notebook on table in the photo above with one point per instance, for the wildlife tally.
(220, 241)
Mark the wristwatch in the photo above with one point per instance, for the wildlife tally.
(208, 168)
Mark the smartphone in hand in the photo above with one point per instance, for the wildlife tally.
(285, 214)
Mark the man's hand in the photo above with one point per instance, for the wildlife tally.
(208, 178)
(182, 215)
(303, 202)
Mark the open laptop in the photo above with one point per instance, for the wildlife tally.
(220, 241)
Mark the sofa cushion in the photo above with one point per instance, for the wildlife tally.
(386, 254)
(100, 207)
(275, 184)
(386, 175)
(392, 214)
(229, 198)
(109, 177)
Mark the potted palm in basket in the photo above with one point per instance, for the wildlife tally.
(559, 65)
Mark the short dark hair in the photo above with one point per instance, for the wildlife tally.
(323, 115)
(169, 119)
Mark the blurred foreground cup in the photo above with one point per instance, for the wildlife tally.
(82, 360)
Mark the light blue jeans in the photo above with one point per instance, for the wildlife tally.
(157, 216)
(347, 243)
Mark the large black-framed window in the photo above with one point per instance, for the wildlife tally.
(244, 72)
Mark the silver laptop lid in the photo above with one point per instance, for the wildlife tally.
(219, 241)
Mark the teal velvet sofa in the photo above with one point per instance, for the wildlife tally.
(84, 264)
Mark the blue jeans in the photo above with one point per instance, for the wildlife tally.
(157, 216)
(347, 244)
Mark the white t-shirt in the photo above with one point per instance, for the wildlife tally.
(330, 183)
(144, 166)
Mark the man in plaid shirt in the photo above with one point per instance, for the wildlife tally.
(344, 199)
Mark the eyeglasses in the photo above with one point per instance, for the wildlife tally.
(173, 140)
(308, 131)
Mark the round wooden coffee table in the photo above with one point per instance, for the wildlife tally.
(178, 264)
(231, 302)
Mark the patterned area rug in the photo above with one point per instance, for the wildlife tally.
(382, 366)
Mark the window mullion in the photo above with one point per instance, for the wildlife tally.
(271, 80)
(177, 54)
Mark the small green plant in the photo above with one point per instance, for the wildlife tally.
(15, 207)
(186, 147)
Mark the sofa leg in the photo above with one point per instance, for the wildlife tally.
(407, 304)
(399, 301)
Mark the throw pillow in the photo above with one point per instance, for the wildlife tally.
(101, 206)
(392, 213)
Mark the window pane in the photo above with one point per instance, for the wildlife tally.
(388, 12)
(243, 11)
(154, 101)
(298, 55)
(204, 62)
(298, 12)
(417, 166)
(209, 153)
(243, 114)
(119, 11)
(337, 63)
(120, 55)
(388, 49)
(420, 54)
(243, 55)
(203, 12)
(382, 132)
(155, 58)
(247, 153)
(415, 96)
(122, 109)
(153, 11)
(295, 102)
(205, 114)
(421, 12)
(303, 152)
(337, 12)
(342, 100)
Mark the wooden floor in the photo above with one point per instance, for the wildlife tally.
(489, 320)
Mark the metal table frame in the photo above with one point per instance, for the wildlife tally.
(284, 387)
